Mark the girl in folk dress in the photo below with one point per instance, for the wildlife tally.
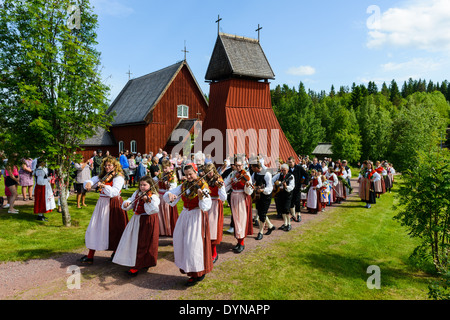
(138, 247)
(168, 215)
(44, 200)
(239, 181)
(332, 182)
(218, 195)
(191, 237)
(108, 220)
(313, 202)
(324, 192)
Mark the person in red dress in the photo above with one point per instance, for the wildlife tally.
(138, 247)
(108, 220)
(218, 195)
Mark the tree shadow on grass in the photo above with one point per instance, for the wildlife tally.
(356, 268)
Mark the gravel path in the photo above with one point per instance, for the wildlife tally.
(46, 279)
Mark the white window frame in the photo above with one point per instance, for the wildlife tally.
(121, 145)
(133, 146)
(182, 111)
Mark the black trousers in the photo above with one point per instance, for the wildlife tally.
(295, 201)
(283, 202)
(262, 206)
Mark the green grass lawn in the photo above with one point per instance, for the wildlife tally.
(326, 259)
(323, 259)
(22, 237)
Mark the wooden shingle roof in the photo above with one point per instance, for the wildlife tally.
(323, 149)
(140, 95)
(102, 137)
(235, 56)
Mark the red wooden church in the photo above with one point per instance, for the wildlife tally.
(239, 75)
(149, 109)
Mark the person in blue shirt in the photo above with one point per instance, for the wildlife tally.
(123, 159)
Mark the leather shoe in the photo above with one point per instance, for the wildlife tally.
(240, 249)
(132, 272)
(87, 260)
(282, 227)
(260, 236)
(192, 281)
(288, 228)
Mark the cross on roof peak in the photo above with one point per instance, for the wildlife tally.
(258, 30)
(218, 23)
(185, 51)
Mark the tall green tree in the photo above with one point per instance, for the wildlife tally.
(424, 203)
(345, 138)
(416, 128)
(51, 94)
(300, 124)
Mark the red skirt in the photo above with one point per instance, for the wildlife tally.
(219, 226)
(40, 200)
(147, 249)
(118, 220)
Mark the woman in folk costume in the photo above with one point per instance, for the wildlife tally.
(284, 184)
(369, 177)
(108, 220)
(138, 247)
(341, 173)
(313, 203)
(332, 182)
(389, 177)
(168, 215)
(191, 237)
(218, 195)
(240, 183)
(262, 197)
(44, 200)
(380, 186)
(364, 184)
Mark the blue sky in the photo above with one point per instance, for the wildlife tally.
(319, 43)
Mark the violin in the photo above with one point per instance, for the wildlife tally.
(216, 181)
(194, 186)
(141, 196)
(243, 175)
(199, 185)
(106, 178)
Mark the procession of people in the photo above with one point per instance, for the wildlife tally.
(242, 183)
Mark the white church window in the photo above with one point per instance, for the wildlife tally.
(183, 111)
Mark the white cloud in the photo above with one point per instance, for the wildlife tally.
(302, 71)
(415, 64)
(421, 24)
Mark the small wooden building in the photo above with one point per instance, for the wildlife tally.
(323, 150)
(149, 109)
(240, 99)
